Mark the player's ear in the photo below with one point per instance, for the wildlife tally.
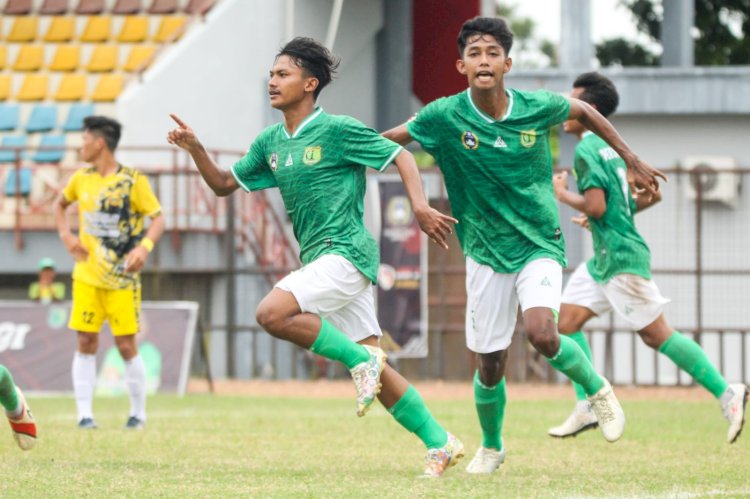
(461, 66)
(508, 64)
(311, 84)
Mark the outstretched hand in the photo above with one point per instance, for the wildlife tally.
(436, 225)
(182, 136)
(644, 176)
(581, 220)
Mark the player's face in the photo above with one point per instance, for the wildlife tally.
(289, 84)
(91, 146)
(574, 127)
(484, 62)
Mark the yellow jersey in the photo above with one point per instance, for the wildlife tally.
(111, 210)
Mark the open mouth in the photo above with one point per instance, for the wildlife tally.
(485, 75)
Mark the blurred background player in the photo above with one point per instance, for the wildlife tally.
(618, 276)
(492, 145)
(45, 290)
(111, 249)
(17, 411)
(318, 162)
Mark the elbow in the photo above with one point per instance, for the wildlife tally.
(595, 212)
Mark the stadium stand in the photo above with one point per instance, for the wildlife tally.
(60, 29)
(90, 7)
(17, 7)
(9, 116)
(53, 7)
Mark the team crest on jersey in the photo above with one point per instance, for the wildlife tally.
(469, 140)
(313, 154)
(528, 138)
(274, 161)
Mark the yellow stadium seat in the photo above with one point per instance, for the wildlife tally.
(103, 58)
(134, 29)
(3, 55)
(72, 88)
(140, 55)
(108, 88)
(97, 29)
(61, 29)
(29, 58)
(66, 58)
(24, 29)
(170, 26)
(34, 87)
(4, 86)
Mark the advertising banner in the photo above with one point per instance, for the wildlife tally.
(37, 346)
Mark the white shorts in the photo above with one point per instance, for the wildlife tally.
(335, 289)
(636, 299)
(493, 299)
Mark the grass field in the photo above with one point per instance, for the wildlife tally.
(260, 446)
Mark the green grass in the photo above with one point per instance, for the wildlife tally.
(220, 446)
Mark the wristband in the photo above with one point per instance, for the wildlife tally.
(148, 244)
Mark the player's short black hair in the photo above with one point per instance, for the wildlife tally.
(496, 27)
(104, 127)
(314, 58)
(599, 91)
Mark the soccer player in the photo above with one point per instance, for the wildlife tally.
(318, 162)
(17, 411)
(618, 276)
(491, 143)
(110, 250)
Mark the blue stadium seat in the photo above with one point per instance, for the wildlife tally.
(25, 184)
(9, 114)
(43, 118)
(9, 156)
(74, 121)
(50, 155)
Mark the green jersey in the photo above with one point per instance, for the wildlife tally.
(320, 172)
(618, 247)
(498, 174)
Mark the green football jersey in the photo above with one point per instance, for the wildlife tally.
(498, 174)
(618, 247)
(320, 172)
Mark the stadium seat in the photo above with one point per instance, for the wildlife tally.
(3, 55)
(108, 88)
(199, 7)
(24, 29)
(134, 29)
(140, 55)
(5, 81)
(76, 114)
(9, 115)
(170, 28)
(43, 155)
(103, 59)
(29, 58)
(33, 88)
(90, 7)
(126, 7)
(66, 58)
(43, 118)
(163, 7)
(9, 155)
(72, 87)
(54, 7)
(24, 183)
(61, 29)
(17, 7)
(97, 29)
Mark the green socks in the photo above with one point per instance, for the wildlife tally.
(690, 357)
(571, 361)
(335, 345)
(8, 396)
(490, 404)
(411, 412)
(580, 338)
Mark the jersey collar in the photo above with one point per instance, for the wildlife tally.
(318, 111)
(586, 134)
(483, 115)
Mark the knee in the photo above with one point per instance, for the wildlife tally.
(88, 343)
(567, 326)
(653, 340)
(491, 367)
(544, 339)
(268, 318)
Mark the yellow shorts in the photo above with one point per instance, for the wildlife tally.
(92, 306)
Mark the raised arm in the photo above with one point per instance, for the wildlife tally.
(435, 224)
(220, 181)
(644, 176)
(399, 135)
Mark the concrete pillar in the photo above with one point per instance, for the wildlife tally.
(576, 46)
(394, 59)
(675, 33)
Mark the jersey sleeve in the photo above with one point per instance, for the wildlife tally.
(144, 200)
(252, 172)
(70, 192)
(553, 108)
(424, 125)
(364, 146)
(588, 172)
